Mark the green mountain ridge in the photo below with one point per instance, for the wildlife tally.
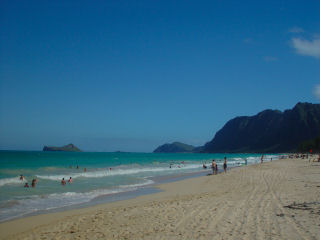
(269, 131)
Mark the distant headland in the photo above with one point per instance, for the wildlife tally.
(270, 131)
(176, 147)
(67, 148)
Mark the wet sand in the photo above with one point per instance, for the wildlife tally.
(275, 200)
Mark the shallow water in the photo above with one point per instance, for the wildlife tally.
(106, 174)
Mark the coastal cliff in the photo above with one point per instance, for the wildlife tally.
(266, 132)
(67, 148)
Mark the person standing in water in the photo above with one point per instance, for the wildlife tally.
(63, 182)
(262, 158)
(34, 182)
(225, 165)
(70, 180)
(214, 167)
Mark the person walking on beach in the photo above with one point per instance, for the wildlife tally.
(225, 165)
(63, 182)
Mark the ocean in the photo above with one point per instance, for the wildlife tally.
(95, 176)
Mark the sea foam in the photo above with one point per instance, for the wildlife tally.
(117, 172)
(14, 180)
(35, 203)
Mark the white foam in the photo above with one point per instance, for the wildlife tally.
(14, 180)
(56, 200)
(117, 172)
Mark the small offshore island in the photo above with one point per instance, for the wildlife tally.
(67, 148)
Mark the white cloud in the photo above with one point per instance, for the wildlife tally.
(306, 47)
(316, 91)
(295, 30)
(270, 59)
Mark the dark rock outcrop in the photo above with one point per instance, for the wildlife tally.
(176, 147)
(68, 148)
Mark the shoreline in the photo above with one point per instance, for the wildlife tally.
(125, 195)
(120, 196)
(198, 200)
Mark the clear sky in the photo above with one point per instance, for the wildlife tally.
(131, 75)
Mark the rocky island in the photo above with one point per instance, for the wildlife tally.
(67, 148)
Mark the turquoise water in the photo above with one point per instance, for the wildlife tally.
(106, 174)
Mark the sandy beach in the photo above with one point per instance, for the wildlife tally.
(275, 200)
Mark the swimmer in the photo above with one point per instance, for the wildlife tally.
(63, 182)
(70, 180)
(26, 185)
(34, 182)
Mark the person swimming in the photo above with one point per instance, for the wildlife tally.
(34, 182)
(63, 182)
(26, 185)
(70, 180)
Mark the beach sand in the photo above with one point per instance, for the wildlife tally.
(246, 203)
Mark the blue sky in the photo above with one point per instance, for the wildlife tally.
(131, 75)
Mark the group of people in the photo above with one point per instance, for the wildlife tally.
(63, 182)
(214, 166)
(26, 185)
(35, 181)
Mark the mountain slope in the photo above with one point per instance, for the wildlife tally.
(268, 131)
